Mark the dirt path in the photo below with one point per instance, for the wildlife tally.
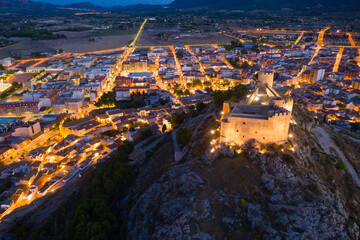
(326, 143)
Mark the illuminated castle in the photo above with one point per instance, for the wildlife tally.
(265, 117)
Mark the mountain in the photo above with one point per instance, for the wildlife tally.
(266, 4)
(27, 7)
(84, 5)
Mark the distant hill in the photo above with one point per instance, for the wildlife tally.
(267, 4)
(24, 6)
(84, 5)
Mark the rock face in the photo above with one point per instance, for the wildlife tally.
(247, 196)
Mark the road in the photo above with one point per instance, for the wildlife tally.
(353, 44)
(230, 36)
(202, 69)
(320, 43)
(298, 39)
(338, 60)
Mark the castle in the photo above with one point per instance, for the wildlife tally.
(265, 117)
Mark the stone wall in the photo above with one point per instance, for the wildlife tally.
(240, 129)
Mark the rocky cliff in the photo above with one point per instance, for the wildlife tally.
(270, 195)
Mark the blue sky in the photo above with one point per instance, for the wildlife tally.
(107, 3)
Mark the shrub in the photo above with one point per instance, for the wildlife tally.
(288, 159)
(340, 165)
(183, 135)
(243, 203)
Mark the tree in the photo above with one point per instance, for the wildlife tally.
(180, 54)
(146, 133)
(245, 65)
(164, 128)
(177, 119)
(341, 105)
(207, 84)
(2, 67)
(240, 91)
(233, 99)
(197, 83)
(200, 106)
(183, 135)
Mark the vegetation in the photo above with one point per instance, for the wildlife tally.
(106, 100)
(5, 186)
(146, 134)
(5, 42)
(163, 129)
(110, 133)
(91, 214)
(340, 165)
(355, 127)
(341, 105)
(77, 29)
(243, 203)
(288, 159)
(32, 33)
(200, 106)
(177, 119)
(14, 86)
(221, 96)
(183, 135)
(180, 54)
(233, 45)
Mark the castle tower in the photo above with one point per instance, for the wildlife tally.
(266, 77)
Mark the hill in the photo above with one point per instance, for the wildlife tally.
(85, 6)
(266, 4)
(251, 195)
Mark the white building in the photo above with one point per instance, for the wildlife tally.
(7, 62)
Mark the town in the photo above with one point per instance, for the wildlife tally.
(63, 113)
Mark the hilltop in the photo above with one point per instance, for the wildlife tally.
(260, 193)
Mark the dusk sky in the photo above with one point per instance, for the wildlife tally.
(108, 3)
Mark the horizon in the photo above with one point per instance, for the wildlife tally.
(109, 3)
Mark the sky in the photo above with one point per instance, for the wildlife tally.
(107, 3)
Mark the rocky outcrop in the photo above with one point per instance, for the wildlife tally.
(252, 195)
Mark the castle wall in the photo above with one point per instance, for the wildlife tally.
(239, 129)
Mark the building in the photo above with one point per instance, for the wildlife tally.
(18, 108)
(355, 83)
(316, 74)
(123, 94)
(242, 123)
(265, 113)
(27, 130)
(7, 62)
